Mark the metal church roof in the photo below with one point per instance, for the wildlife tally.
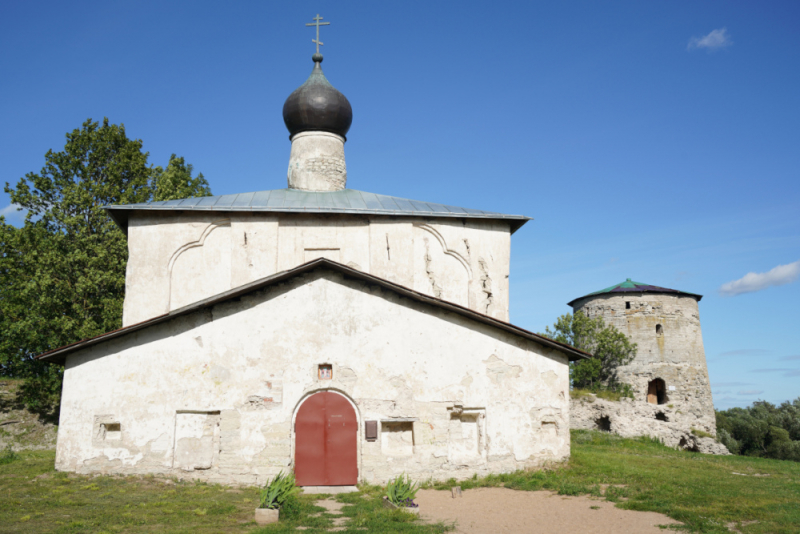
(348, 201)
(629, 286)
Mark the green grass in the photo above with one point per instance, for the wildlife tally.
(600, 394)
(364, 510)
(36, 499)
(699, 490)
(702, 434)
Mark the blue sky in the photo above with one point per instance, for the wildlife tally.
(657, 141)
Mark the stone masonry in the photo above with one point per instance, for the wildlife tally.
(669, 372)
(630, 418)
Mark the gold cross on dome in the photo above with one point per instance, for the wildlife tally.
(317, 23)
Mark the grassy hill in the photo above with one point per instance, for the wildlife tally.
(19, 428)
(706, 493)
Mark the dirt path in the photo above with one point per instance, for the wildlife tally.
(501, 510)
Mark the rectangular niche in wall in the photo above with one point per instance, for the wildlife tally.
(397, 438)
(107, 431)
(466, 435)
(196, 440)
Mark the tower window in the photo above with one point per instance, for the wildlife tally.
(627, 305)
(659, 330)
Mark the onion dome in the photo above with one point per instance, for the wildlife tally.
(317, 106)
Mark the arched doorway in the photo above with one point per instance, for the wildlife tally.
(326, 431)
(656, 392)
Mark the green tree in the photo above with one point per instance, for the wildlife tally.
(762, 429)
(177, 182)
(62, 274)
(609, 348)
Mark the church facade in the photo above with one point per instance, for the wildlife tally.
(346, 335)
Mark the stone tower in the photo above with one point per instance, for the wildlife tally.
(670, 365)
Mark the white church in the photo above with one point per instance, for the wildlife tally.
(348, 336)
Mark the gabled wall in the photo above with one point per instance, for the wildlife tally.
(212, 394)
(175, 260)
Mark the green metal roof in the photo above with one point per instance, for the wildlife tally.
(629, 286)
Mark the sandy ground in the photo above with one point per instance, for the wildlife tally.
(501, 510)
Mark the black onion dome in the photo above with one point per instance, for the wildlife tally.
(317, 106)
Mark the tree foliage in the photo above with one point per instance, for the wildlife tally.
(62, 274)
(609, 347)
(762, 429)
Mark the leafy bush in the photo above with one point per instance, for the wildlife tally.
(763, 430)
(609, 348)
(278, 491)
(401, 491)
(8, 456)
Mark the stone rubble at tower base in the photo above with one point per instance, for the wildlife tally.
(629, 419)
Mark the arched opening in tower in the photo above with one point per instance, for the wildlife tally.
(659, 330)
(657, 392)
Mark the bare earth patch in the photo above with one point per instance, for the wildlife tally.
(502, 510)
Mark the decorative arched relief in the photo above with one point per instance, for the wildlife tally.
(202, 268)
(439, 270)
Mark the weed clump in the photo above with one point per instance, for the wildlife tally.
(401, 492)
(278, 491)
(702, 434)
(8, 455)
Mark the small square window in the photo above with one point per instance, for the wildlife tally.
(325, 372)
(627, 305)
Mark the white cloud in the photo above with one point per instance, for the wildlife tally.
(750, 392)
(715, 40)
(12, 213)
(780, 275)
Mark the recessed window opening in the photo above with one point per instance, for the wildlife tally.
(627, 305)
(112, 431)
(659, 330)
(397, 438)
(657, 392)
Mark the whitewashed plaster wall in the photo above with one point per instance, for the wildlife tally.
(676, 354)
(212, 394)
(175, 260)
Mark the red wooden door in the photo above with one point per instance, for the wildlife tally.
(325, 442)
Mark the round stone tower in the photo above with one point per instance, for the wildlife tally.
(670, 365)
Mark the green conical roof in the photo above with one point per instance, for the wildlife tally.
(629, 286)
